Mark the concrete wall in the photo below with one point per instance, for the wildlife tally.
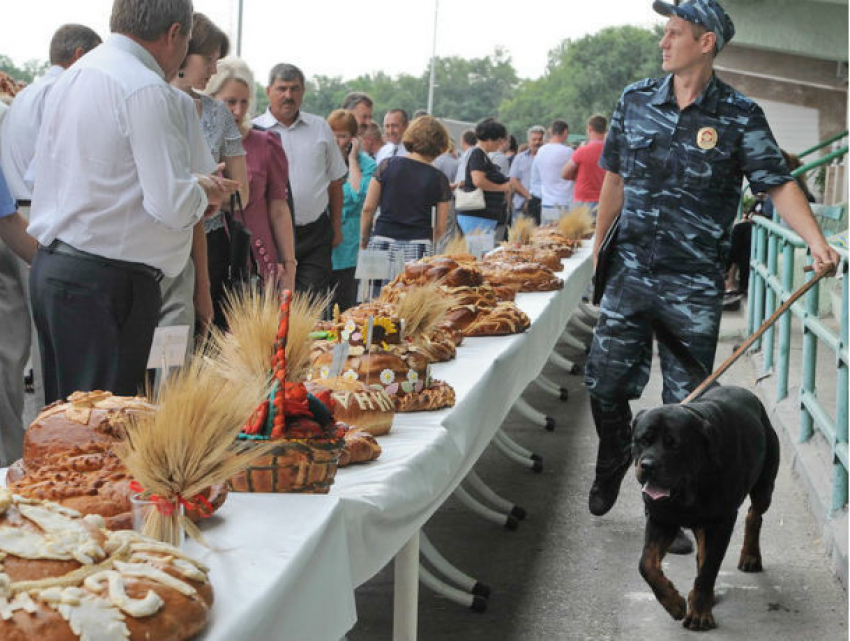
(815, 28)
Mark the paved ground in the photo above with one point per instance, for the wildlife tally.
(567, 575)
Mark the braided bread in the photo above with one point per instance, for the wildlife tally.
(530, 277)
(360, 447)
(505, 318)
(526, 254)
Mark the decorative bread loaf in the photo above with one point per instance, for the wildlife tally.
(358, 405)
(530, 277)
(64, 577)
(448, 271)
(505, 318)
(541, 256)
(69, 457)
(360, 447)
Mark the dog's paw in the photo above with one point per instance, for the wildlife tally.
(699, 616)
(675, 605)
(750, 563)
(699, 621)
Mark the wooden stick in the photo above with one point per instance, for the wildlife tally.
(755, 336)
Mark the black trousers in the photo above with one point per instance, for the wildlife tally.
(345, 288)
(739, 252)
(95, 322)
(313, 252)
(218, 262)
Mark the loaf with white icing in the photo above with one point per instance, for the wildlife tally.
(63, 576)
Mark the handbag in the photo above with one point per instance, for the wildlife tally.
(603, 260)
(469, 200)
(241, 268)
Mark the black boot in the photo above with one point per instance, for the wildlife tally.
(614, 427)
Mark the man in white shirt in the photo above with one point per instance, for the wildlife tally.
(395, 124)
(114, 201)
(17, 146)
(557, 193)
(467, 142)
(523, 200)
(316, 173)
(361, 105)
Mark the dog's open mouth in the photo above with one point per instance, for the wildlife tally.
(655, 492)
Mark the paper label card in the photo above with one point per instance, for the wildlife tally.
(480, 243)
(169, 347)
(372, 264)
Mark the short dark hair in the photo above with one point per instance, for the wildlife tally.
(148, 20)
(490, 129)
(559, 127)
(207, 39)
(68, 38)
(404, 117)
(468, 137)
(598, 124)
(513, 144)
(287, 73)
(354, 98)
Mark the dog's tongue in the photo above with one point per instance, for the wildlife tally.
(654, 491)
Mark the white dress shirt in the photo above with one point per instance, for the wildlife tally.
(20, 130)
(501, 161)
(314, 161)
(389, 150)
(550, 161)
(112, 162)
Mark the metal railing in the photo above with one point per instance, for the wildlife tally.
(823, 144)
(767, 291)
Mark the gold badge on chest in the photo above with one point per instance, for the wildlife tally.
(707, 138)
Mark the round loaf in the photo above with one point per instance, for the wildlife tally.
(359, 405)
(96, 582)
(69, 458)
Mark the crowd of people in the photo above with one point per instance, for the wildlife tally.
(128, 168)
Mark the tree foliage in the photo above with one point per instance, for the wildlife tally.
(30, 70)
(465, 89)
(584, 77)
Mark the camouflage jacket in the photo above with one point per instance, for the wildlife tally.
(683, 172)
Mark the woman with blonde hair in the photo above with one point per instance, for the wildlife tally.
(267, 213)
(409, 189)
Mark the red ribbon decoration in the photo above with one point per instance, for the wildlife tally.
(200, 504)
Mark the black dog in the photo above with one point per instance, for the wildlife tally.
(697, 463)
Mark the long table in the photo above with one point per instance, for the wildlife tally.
(285, 566)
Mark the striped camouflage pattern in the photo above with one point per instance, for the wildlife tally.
(680, 200)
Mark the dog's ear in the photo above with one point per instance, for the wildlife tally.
(636, 419)
(714, 441)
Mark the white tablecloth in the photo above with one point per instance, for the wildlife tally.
(285, 566)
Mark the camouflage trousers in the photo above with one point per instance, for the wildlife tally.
(689, 305)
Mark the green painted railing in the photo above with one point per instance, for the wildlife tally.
(823, 144)
(767, 290)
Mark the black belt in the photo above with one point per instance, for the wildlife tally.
(24, 203)
(59, 247)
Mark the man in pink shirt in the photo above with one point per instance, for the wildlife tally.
(584, 167)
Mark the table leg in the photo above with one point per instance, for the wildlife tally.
(406, 591)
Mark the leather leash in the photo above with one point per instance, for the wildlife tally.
(757, 334)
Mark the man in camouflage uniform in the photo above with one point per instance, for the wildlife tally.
(675, 156)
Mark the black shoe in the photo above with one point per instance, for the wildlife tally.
(605, 489)
(681, 544)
